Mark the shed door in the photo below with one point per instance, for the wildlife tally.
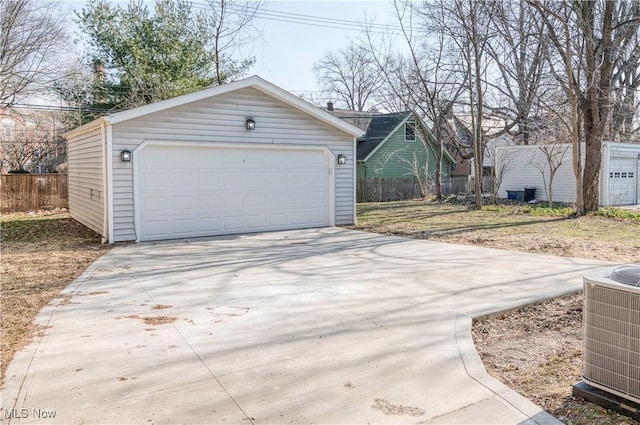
(187, 191)
(622, 181)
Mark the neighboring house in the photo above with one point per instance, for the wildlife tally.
(526, 166)
(393, 149)
(457, 137)
(241, 157)
(31, 140)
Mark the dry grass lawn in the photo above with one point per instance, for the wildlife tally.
(507, 227)
(41, 254)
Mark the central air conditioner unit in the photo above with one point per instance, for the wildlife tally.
(611, 360)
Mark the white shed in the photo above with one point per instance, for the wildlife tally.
(526, 166)
(237, 158)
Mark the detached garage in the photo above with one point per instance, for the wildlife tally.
(527, 166)
(243, 157)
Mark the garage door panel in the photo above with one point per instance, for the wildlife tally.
(233, 223)
(155, 179)
(183, 204)
(183, 180)
(155, 205)
(622, 181)
(184, 227)
(256, 221)
(231, 202)
(206, 191)
(232, 177)
(154, 229)
(256, 200)
(206, 178)
(209, 225)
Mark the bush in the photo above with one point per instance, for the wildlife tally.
(617, 213)
(20, 171)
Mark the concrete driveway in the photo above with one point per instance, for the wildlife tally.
(319, 326)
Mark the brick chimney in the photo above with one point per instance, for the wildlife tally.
(99, 70)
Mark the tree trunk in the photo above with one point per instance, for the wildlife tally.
(439, 153)
(591, 181)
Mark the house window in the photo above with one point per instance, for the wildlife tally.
(410, 132)
(8, 129)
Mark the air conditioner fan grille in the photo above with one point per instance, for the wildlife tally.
(629, 275)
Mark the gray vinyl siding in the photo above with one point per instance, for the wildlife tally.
(221, 119)
(86, 185)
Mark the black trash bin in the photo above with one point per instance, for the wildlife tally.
(529, 194)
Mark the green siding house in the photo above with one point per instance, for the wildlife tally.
(392, 148)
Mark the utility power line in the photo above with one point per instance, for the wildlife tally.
(60, 108)
(311, 20)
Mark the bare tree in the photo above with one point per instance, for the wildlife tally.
(517, 50)
(350, 75)
(553, 154)
(470, 27)
(425, 80)
(626, 91)
(230, 25)
(31, 37)
(587, 36)
(33, 142)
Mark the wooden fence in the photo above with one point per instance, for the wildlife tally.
(28, 192)
(383, 190)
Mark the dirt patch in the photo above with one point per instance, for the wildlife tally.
(537, 351)
(151, 320)
(158, 320)
(160, 307)
(391, 409)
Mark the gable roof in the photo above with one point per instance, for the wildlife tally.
(254, 82)
(380, 129)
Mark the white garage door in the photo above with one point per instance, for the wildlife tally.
(622, 181)
(197, 191)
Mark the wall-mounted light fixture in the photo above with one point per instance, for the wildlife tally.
(342, 159)
(251, 124)
(125, 156)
